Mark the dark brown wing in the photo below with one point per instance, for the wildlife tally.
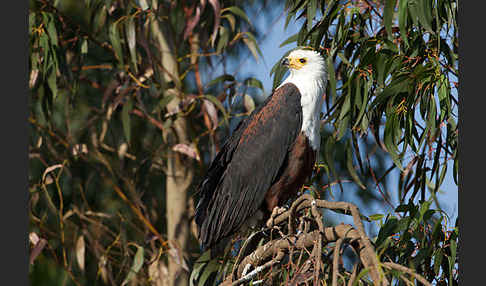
(247, 165)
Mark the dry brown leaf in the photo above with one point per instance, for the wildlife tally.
(68, 214)
(186, 150)
(122, 150)
(409, 166)
(33, 238)
(33, 77)
(39, 142)
(80, 252)
(217, 18)
(176, 254)
(80, 149)
(212, 112)
(41, 243)
(158, 274)
(102, 269)
(191, 24)
(249, 103)
(47, 171)
(98, 214)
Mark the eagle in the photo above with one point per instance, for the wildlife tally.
(267, 158)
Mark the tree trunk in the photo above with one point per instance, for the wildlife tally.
(179, 169)
(179, 178)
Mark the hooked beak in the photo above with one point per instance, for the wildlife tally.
(286, 62)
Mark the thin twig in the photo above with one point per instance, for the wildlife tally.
(335, 261)
(152, 120)
(353, 275)
(259, 269)
(420, 278)
(377, 182)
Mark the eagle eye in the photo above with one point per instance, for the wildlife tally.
(302, 60)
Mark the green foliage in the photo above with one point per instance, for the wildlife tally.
(102, 89)
(417, 237)
(395, 79)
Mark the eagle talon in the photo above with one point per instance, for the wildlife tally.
(279, 210)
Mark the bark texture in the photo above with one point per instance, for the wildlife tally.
(180, 171)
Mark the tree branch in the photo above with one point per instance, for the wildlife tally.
(316, 236)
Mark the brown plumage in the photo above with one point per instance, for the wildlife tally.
(295, 171)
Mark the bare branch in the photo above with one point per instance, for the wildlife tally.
(335, 261)
(392, 265)
(315, 236)
(259, 269)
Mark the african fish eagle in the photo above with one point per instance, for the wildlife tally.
(269, 155)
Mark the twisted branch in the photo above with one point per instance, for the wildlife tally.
(392, 265)
(311, 233)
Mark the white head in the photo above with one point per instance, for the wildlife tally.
(307, 63)
(308, 72)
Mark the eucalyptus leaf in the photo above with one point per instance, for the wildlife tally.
(237, 11)
(127, 108)
(131, 39)
(116, 42)
(136, 266)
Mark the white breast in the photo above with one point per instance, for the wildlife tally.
(311, 89)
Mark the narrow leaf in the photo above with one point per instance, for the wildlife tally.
(289, 40)
(402, 20)
(51, 30)
(136, 266)
(219, 105)
(376, 216)
(311, 12)
(388, 16)
(115, 42)
(84, 46)
(80, 252)
(232, 21)
(131, 38)
(249, 103)
(438, 260)
(186, 149)
(223, 39)
(252, 45)
(253, 82)
(350, 166)
(237, 11)
(211, 267)
(39, 246)
(52, 82)
(217, 19)
(191, 23)
(165, 100)
(332, 77)
(48, 170)
(127, 107)
(212, 112)
(222, 78)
